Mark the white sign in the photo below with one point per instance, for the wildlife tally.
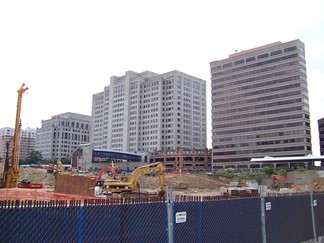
(181, 217)
(268, 206)
(315, 203)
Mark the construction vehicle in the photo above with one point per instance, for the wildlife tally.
(28, 185)
(130, 185)
(277, 179)
(114, 171)
(11, 173)
(58, 168)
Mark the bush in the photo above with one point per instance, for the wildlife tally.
(301, 169)
(281, 172)
(268, 170)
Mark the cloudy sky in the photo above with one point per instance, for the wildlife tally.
(66, 51)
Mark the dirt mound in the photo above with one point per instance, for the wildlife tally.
(36, 175)
(318, 185)
(198, 181)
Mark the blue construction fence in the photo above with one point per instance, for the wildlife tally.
(294, 218)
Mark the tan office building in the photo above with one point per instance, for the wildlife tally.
(62, 134)
(260, 105)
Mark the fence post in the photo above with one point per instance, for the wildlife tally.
(170, 213)
(263, 209)
(312, 213)
(201, 205)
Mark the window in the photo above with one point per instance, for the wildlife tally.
(293, 48)
(227, 65)
(238, 62)
(275, 53)
(250, 59)
(263, 56)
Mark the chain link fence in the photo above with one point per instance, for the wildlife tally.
(294, 218)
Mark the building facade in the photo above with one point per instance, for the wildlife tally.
(321, 134)
(260, 104)
(144, 112)
(26, 141)
(62, 134)
(184, 159)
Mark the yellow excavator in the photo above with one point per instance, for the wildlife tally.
(130, 184)
(59, 167)
(11, 172)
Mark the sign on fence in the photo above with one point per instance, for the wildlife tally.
(181, 217)
(268, 206)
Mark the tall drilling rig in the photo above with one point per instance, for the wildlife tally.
(11, 171)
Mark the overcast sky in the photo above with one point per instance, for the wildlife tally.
(66, 51)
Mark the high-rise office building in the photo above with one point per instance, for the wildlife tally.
(260, 104)
(141, 112)
(321, 135)
(26, 141)
(62, 134)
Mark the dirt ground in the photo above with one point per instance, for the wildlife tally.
(318, 185)
(188, 184)
(182, 184)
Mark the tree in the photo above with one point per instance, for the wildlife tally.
(34, 157)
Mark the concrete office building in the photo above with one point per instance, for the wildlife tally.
(260, 104)
(321, 134)
(144, 112)
(62, 134)
(26, 142)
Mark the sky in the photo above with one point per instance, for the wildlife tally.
(66, 50)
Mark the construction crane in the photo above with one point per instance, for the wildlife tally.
(11, 172)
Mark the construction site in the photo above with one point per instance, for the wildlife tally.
(53, 182)
(80, 186)
(127, 199)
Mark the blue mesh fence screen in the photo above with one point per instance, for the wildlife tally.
(227, 220)
(319, 214)
(127, 222)
(52, 224)
(190, 230)
(289, 219)
(219, 221)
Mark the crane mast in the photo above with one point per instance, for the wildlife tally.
(11, 174)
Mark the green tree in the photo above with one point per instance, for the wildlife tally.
(34, 157)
